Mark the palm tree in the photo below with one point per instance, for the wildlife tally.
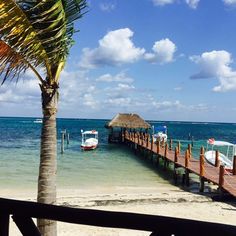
(37, 35)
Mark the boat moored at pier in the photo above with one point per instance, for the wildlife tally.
(89, 140)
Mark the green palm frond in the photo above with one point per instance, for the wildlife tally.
(12, 63)
(54, 26)
(40, 31)
(17, 32)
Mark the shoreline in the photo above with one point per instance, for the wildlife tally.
(166, 200)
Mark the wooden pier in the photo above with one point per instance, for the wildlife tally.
(184, 159)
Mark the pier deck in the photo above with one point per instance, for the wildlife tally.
(217, 175)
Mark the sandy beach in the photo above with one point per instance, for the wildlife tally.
(166, 200)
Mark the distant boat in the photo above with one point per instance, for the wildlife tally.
(38, 121)
(226, 153)
(89, 140)
(159, 133)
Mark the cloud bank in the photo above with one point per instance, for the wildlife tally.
(115, 48)
(191, 3)
(216, 64)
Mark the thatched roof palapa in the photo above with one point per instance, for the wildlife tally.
(132, 121)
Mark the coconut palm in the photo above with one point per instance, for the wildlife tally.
(37, 35)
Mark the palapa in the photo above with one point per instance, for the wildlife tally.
(132, 121)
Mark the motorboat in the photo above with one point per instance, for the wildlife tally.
(226, 153)
(89, 140)
(159, 133)
(39, 121)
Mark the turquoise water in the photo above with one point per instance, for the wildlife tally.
(109, 165)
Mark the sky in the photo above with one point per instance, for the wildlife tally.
(163, 59)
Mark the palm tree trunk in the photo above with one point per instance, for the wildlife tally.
(48, 160)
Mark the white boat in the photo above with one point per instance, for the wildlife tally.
(89, 140)
(159, 133)
(226, 153)
(40, 121)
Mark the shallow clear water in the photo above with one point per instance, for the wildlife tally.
(108, 165)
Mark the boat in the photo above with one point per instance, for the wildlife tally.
(226, 153)
(40, 121)
(159, 133)
(89, 140)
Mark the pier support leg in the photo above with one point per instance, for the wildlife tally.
(165, 164)
(157, 160)
(187, 178)
(151, 156)
(183, 179)
(175, 176)
(202, 183)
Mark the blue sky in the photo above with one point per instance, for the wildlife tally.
(162, 59)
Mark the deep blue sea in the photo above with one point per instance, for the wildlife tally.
(108, 165)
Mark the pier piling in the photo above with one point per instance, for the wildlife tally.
(206, 172)
(217, 161)
(234, 166)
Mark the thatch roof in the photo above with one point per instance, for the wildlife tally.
(132, 121)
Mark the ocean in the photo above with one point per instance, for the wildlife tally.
(108, 165)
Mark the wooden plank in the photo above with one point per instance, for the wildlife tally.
(26, 225)
(160, 224)
(4, 224)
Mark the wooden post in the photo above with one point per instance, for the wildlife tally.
(202, 183)
(163, 142)
(166, 150)
(217, 160)
(175, 165)
(152, 144)
(4, 224)
(158, 147)
(165, 156)
(123, 135)
(202, 162)
(179, 147)
(26, 225)
(62, 142)
(186, 158)
(221, 176)
(202, 180)
(147, 142)
(176, 154)
(186, 176)
(67, 139)
(234, 166)
(171, 143)
(190, 150)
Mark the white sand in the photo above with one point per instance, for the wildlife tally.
(167, 200)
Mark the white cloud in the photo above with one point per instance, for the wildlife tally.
(122, 87)
(192, 3)
(107, 6)
(178, 88)
(120, 102)
(121, 77)
(229, 2)
(162, 2)
(115, 48)
(90, 101)
(166, 105)
(163, 52)
(216, 64)
(77, 90)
